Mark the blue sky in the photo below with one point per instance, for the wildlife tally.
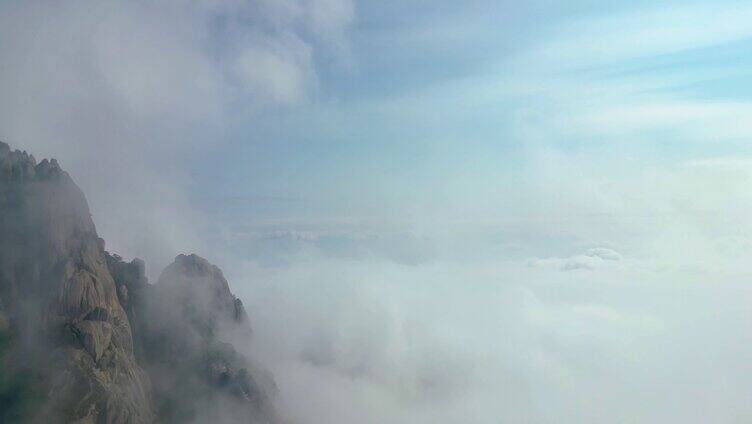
(426, 95)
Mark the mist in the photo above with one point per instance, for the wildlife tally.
(481, 213)
(476, 328)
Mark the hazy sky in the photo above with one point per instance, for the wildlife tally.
(436, 211)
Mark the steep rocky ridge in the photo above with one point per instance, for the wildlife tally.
(68, 328)
(85, 338)
(182, 326)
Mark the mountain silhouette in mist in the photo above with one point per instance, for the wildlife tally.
(85, 338)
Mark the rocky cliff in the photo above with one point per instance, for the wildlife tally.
(182, 326)
(85, 338)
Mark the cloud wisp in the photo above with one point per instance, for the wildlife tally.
(122, 93)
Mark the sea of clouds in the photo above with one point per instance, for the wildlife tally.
(593, 291)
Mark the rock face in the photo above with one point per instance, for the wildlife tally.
(202, 294)
(70, 332)
(182, 324)
(84, 336)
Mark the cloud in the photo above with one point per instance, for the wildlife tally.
(630, 289)
(692, 120)
(589, 260)
(488, 340)
(124, 93)
(599, 40)
(278, 72)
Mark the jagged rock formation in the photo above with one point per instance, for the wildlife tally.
(179, 323)
(71, 333)
(79, 326)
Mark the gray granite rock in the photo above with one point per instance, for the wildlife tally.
(61, 301)
(84, 337)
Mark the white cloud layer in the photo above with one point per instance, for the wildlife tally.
(589, 260)
(650, 329)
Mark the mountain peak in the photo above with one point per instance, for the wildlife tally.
(18, 165)
(90, 338)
